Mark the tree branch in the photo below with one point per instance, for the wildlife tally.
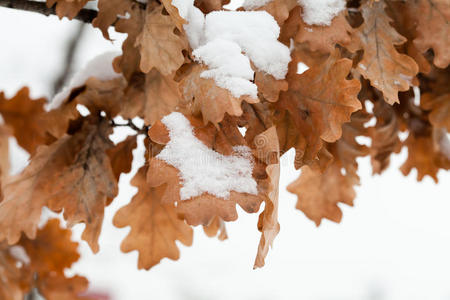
(85, 15)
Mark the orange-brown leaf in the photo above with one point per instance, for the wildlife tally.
(160, 45)
(439, 106)
(319, 193)
(108, 11)
(387, 69)
(202, 95)
(155, 226)
(67, 8)
(433, 28)
(23, 115)
(427, 154)
(268, 150)
(73, 173)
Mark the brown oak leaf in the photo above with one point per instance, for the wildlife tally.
(108, 11)
(74, 173)
(439, 106)
(388, 70)
(201, 210)
(318, 102)
(384, 134)
(268, 150)
(24, 115)
(160, 43)
(320, 189)
(155, 226)
(67, 8)
(427, 154)
(216, 228)
(433, 18)
(202, 95)
(324, 38)
(319, 193)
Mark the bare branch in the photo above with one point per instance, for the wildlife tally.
(85, 15)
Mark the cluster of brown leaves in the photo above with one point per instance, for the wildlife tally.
(39, 264)
(373, 52)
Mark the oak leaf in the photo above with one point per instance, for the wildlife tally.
(384, 134)
(160, 44)
(108, 12)
(433, 17)
(439, 106)
(73, 173)
(427, 154)
(268, 150)
(24, 115)
(201, 210)
(216, 228)
(319, 193)
(320, 188)
(317, 103)
(155, 226)
(67, 8)
(387, 69)
(324, 38)
(202, 95)
(156, 97)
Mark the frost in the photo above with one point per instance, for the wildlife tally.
(321, 12)
(203, 170)
(99, 67)
(250, 35)
(254, 4)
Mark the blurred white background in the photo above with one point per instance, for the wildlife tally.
(393, 244)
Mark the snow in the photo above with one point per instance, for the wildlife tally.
(227, 66)
(203, 170)
(99, 67)
(19, 253)
(321, 12)
(249, 35)
(302, 68)
(254, 4)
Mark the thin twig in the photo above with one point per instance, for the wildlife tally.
(85, 15)
(69, 57)
(131, 124)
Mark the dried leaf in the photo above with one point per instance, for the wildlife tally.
(319, 193)
(324, 38)
(433, 28)
(67, 8)
(268, 150)
(160, 45)
(217, 226)
(202, 95)
(384, 136)
(204, 208)
(23, 115)
(387, 70)
(318, 102)
(73, 174)
(427, 154)
(108, 11)
(439, 106)
(154, 225)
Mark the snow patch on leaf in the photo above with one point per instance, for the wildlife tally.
(222, 37)
(254, 4)
(202, 170)
(99, 67)
(321, 12)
